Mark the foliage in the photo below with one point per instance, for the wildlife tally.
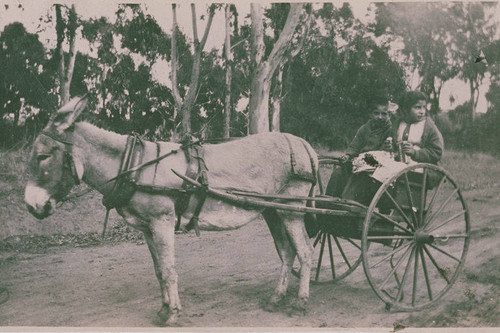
(25, 84)
(328, 89)
(426, 29)
(336, 82)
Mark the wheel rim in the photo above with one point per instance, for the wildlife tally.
(334, 257)
(414, 250)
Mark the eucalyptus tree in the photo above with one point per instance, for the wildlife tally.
(25, 81)
(475, 30)
(66, 29)
(337, 78)
(426, 31)
(184, 104)
(118, 72)
(264, 68)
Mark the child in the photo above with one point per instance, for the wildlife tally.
(416, 133)
(371, 136)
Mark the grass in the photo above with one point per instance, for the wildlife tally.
(473, 171)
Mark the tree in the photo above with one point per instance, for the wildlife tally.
(334, 83)
(122, 89)
(474, 32)
(65, 30)
(264, 69)
(25, 83)
(426, 30)
(183, 105)
(228, 58)
(278, 14)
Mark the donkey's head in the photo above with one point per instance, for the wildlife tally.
(52, 167)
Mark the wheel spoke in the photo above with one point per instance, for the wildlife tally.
(434, 195)
(320, 183)
(317, 239)
(440, 270)
(391, 221)
(429, 221)
(350, 241)
(415, 276)
(426, 274)
(400, 261)
(445, 253)
(371, 238)
(447, 221)
(342, 252)
(405, 275)
(320, 260)
(399, 209)
(410, 198)
(400, 248)
(331, 256)
(423, 198)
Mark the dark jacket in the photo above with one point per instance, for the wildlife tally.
(369, 137)
(431, 144)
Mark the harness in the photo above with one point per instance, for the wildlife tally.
(126, 182)
(68, 160)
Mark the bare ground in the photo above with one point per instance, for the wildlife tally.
(225, 279)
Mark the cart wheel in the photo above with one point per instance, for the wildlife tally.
(334, 257)
(415, 237)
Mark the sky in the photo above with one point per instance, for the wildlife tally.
(31, 11)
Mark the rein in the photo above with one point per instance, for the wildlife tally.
(146, 188)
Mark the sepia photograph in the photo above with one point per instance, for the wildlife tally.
(249, 166)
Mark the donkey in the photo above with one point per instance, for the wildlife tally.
(67, 151)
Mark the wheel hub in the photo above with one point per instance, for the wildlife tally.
(422, 237)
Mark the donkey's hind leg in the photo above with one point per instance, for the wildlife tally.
(286, 251)
(296, 230)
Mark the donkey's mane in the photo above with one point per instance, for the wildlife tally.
(101, 137)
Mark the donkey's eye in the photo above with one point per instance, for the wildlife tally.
(42, 157)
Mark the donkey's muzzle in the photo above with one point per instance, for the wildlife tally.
(41, 212)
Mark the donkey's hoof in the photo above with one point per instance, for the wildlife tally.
(299, 305)
(167, 317)
(173, 319)
(164, 312)
(275, 303)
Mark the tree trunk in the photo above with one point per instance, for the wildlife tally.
(276, 101)
(264, 70)
(184, 105)
(173, 74)
(60, 53)
(68, 75)
(472, 100)
(229, 59)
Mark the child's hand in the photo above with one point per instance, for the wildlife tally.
(408, 148)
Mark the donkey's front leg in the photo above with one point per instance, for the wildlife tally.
(161, 244)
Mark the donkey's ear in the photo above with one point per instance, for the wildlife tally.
(66, 115)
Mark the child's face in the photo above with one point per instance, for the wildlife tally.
(417, 111)
(380, 114)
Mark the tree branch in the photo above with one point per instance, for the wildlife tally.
(286, 35)
(207, 28)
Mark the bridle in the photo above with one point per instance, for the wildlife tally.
(70, 162)
(68, 159)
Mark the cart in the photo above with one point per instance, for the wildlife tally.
(412, 238)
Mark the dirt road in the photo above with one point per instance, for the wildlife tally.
(224, 280)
